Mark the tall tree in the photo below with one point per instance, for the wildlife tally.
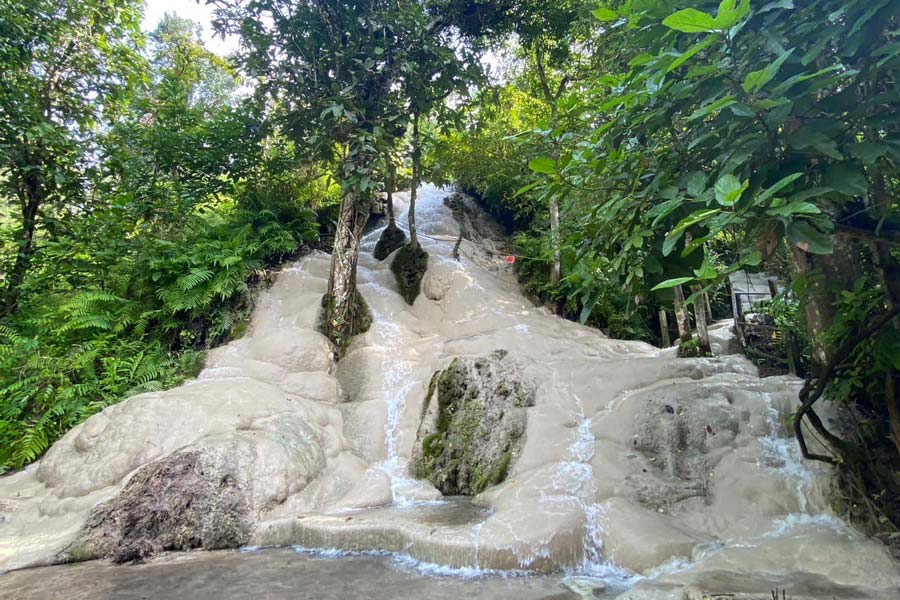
(66, 64)
(332, 72)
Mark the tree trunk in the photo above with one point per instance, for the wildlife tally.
(344, 312)
(389, 191)
(413, 193)
(31, 202)
(828, 275)
(554, 239)
(700, 320)
(551, 99)
(664, 328)
(681, 316)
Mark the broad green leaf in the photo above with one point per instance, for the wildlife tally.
(847, 179)
(670, 283)
(712, 107)
(742, 110)
(794, 208)
(787, 4)
(663, 210)
(756, 80)
(867, 152)
(780, 185)
(694, 218)
(809, 239)
(542, 164)
(696, 183)
(526, 189)
(809, 138)
(730, 13)
(706, 270)
(751, 258)
(729, 189)
(690, 20)
(605, 14)
(687, 54)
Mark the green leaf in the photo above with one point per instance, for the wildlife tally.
(712, 107)
(809, 239)
(696, 183)
(542, 164)
(730, 13)
(687, 54)
(756, 80)
(706, 270)
(729, 189)
(847, 179)
(751, 258)
(690, 20)
(780, 185)
(670, 283)
(867, 152)
(605, 14)
(793, 208)
(526, 189)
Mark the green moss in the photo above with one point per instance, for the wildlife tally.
(691, 349)
(409, 267)
(240, 328)
(359, 321)
(493, 476)
(391, 239)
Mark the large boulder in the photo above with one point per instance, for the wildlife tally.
(473, 423)
(409, 266)
(391, 239)
(207, 494)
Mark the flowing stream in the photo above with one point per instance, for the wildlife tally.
(642, 475)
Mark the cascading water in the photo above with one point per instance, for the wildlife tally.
(637, 469)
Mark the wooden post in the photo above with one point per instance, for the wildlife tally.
(681, 316)
(700, 319)
(664, 328)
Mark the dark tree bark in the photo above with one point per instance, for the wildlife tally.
(31, 196)
(344, 311)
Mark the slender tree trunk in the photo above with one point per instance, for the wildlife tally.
(681, 316)
(31, 202)
(554, 239)
(664, 328)
(391, 183)
(551, 99)
(413, 193)
(700, 320)
(344, 311)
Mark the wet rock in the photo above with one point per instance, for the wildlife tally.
(473, 423)
(205, 495)
(391, 239)
(639, 539)
(409, 266)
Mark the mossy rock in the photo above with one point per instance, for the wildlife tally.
(391, 239)
(408, 267)
(473, 424)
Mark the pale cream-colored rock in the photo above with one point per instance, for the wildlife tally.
(640, 539)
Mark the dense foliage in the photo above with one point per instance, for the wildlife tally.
(720, 137)
(153, 239)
